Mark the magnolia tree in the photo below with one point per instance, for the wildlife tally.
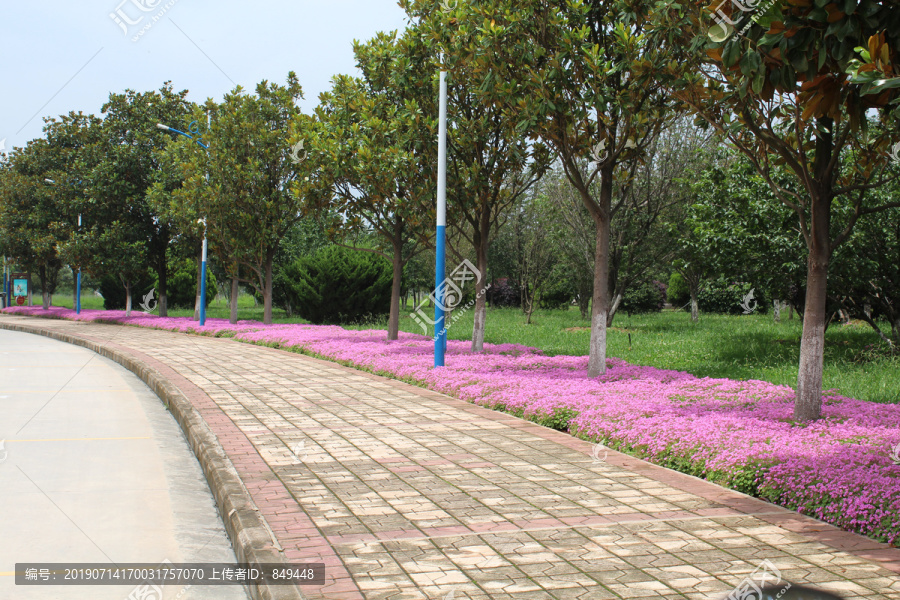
(44, 193)
(131, 236)
(374, 147)
(490, 163)
(243, 186)
(775, 85)
(578, 77)
(30, 224)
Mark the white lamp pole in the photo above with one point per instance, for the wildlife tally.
(440, 328)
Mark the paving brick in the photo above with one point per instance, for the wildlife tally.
(408, 494)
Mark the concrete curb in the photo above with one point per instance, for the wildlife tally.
(250, 536)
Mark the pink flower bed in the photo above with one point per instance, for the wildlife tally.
(738, 433)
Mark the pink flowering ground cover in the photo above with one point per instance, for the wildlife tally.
(736, 433)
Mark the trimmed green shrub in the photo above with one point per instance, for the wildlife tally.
(181, 285)
(725, 297)
(646, 297)
(679, 292)
(557, 296)
(337, 285)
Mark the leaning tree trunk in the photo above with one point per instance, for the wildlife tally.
(480, 316)
(618, 296)
(600, 301)
(267, 292)
(397, 266)
(808, 406)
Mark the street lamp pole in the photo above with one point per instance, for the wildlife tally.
(78, 281)
(205, 250)
(78, 277)
(440, 328)
(203, 256)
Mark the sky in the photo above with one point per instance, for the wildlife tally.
(64, 56)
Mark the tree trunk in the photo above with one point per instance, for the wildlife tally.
(777, 312)
(584, 303)
(480, 316)
(235, 290)
(617, 302)
(808, 406)
(45, 300)
(694, 287)
(397, 265)
(267, 292)
(163, 276)
(197, 298)
(791, 312)
(600, 301)
(128, 299)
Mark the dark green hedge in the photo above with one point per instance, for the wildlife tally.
(337, 285)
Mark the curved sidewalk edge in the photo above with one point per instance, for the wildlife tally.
(251, 537)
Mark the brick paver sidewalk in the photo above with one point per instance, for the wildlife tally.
(406, 493)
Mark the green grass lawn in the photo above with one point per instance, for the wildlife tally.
(737, 347)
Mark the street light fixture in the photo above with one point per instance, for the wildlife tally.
(203, 254)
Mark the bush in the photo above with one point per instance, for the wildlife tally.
(337, 285)
(557, 296)
(725, 297)
(679, 292)
(181, 285)
(645, 297)
(504, 293)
